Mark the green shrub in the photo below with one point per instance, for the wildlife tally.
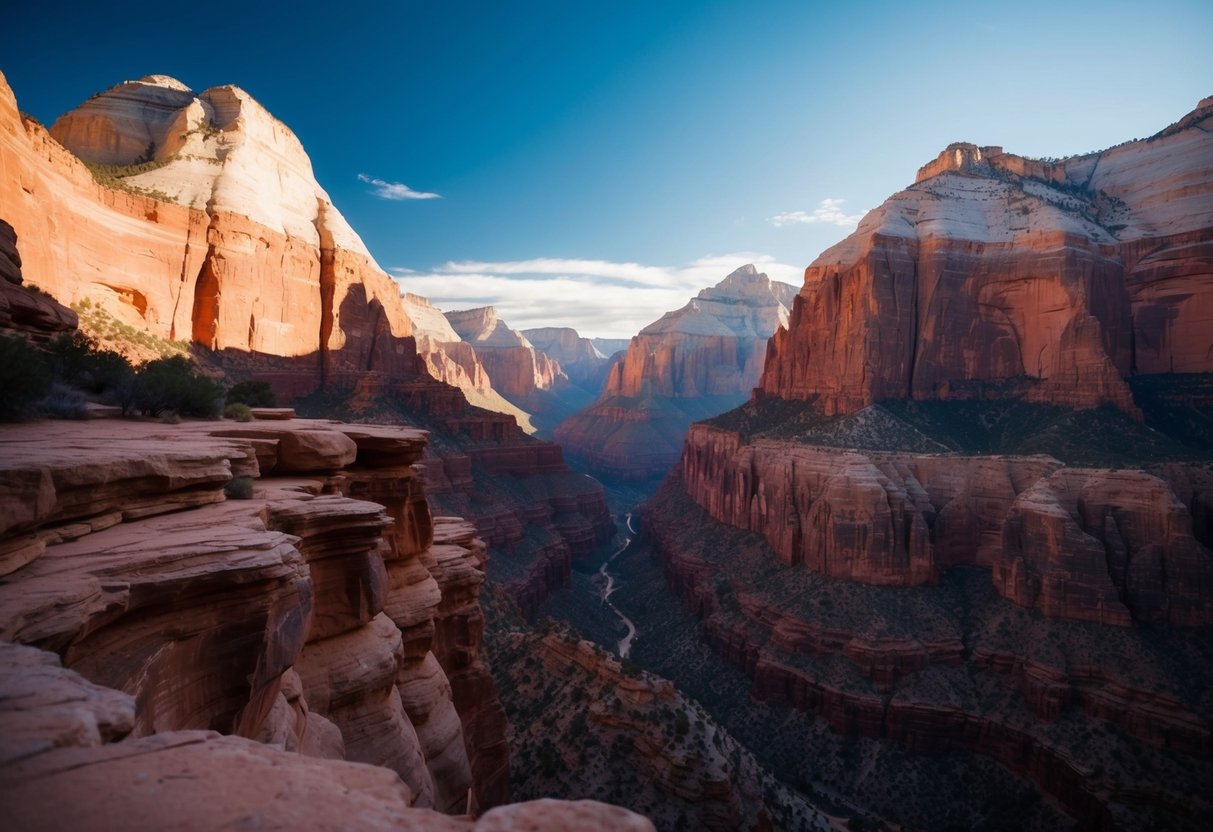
(253, 394)
(25, 378)
(77, 360)
(240, 488)
(238, 412)
(171, 384)
(64, 402)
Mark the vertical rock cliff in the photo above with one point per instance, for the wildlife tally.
(202, 221)
(995, 275)
(693, 363)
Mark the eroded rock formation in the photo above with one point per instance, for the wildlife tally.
(68, 759)
(1093, 544)
(210, 229)
(693, 363)
(999, 276)
(320, 615)
(966, 539)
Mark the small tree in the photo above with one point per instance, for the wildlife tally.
(170, 384)
(25, 378)
(253, 394)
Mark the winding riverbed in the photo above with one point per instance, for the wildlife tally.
(608, 587)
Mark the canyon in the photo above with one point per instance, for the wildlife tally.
(949, 504)
(967, 508)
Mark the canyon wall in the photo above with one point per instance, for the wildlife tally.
(998, 276)
(940, 521)
(1100, 545)
(692, 363)
(211, 229)
(1110, 722)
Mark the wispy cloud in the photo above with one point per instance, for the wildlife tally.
(595, 297)
(394, 190)
(828, 212)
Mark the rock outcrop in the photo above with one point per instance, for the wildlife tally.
(204, 224)
(999, 276)
(692, 363)
(534, 513)
(320, 615)
(68, 759)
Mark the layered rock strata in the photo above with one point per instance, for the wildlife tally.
(999, 276)
(1092, 544)
(1090, 714)
(691, 364)
(305, 616)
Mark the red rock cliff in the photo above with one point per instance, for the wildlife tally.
(995, 275)
(216, 232)
(693, 363)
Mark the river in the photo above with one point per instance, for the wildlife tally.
(608, 587)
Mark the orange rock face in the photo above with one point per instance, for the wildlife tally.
(693, 363)
(1087, 544)
(996, 276)
(227, 241)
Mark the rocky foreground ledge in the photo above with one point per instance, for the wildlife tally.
(282, 583)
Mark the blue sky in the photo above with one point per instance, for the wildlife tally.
(596, 163)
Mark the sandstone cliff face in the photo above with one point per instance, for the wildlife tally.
(224, 239)
(580, 360)
(68, 760)
(22, 310)
(317, 616)
(1091, 544)
(695, 362)
(532, 380)
(995, 275)
(956, 668)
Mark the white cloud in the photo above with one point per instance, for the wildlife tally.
(595, 297)
(394, 190)
(828, 212)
